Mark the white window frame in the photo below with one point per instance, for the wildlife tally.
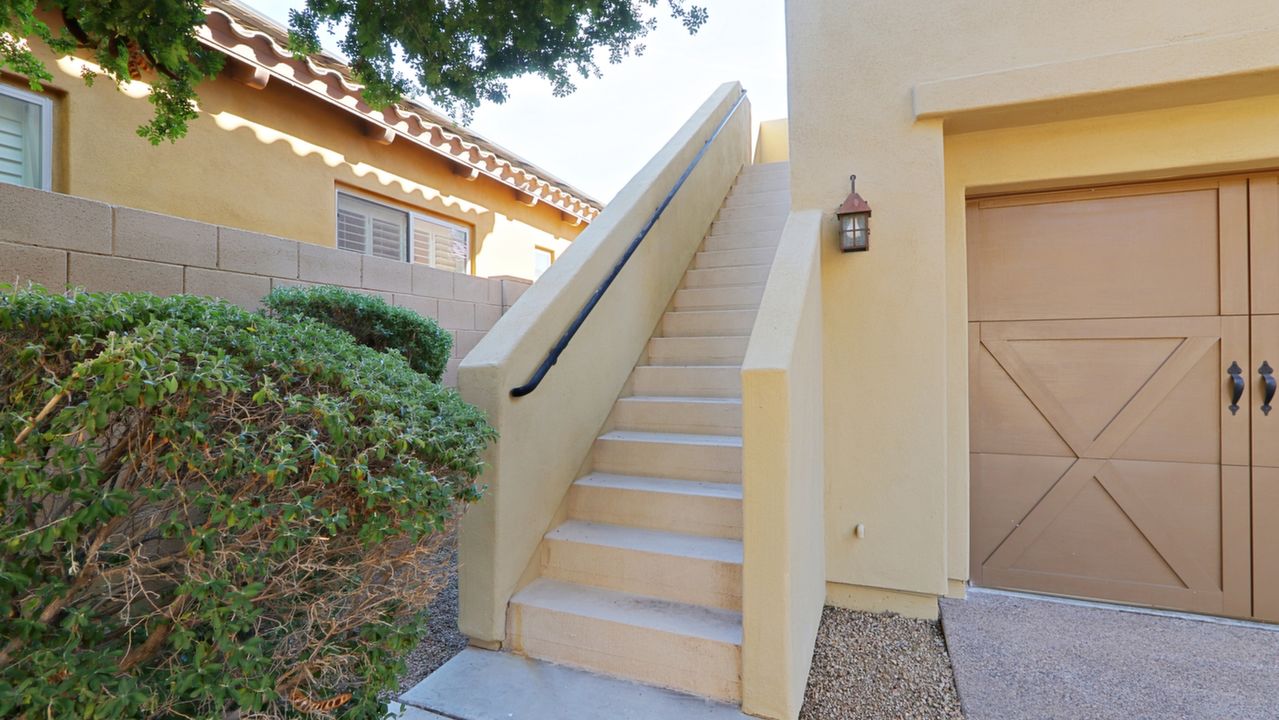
(46, 129)
(407, 255)
(416, 217)
(545, 251)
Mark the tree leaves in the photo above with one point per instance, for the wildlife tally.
(458, 53)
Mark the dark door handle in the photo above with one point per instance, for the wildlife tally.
(1268, 378)
(1236, 386)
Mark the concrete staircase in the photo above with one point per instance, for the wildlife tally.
(643, 579)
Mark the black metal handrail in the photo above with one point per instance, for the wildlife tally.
(554, 355)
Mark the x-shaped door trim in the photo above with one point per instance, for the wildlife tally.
(1093, 455)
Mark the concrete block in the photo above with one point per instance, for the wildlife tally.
(494, 286)
(467, 340)
(706, 458)
(372, 293)
(164, 238)
(694, 381)
(22, 264)
(328, 266)
(433, 282)
(287, 282)
(511, 291)
(385, 274)
(470, 288)
(718, 298)
(486, 316)
(112, 274)
(697, 350)
(678, 506)
(38, 217)
(725, 276)
(696, 570)
(665, 644)
(708, 323)
(250, 252)
(424, 306)
(244, 290)
(457, 315)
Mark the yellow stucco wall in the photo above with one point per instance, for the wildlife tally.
(528, 472)
(771, 142)
(784, 568)
(270, 160)
(954, 98)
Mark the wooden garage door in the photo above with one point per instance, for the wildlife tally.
(1107, 461)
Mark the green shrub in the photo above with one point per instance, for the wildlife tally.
(205, 510)
(372, 321)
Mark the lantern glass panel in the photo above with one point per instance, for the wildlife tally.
(854, 232)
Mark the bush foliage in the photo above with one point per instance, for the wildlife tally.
(372, 321)
(208, 513)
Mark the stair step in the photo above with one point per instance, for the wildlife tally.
(742, 241)
(771, 182)
(738, 297)
(771, 171)
(708, 458)
(697, 350)
(734, 258)
(769, 211)
(766, 197)
(692, 415)
(678, 567)
(674, 645)
(779, 165)
(727, 277)
(771, 223)
(703, 323)
(724, 381)
(681, 506)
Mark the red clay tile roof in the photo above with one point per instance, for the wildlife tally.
(248, 37)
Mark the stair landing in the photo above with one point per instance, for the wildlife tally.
(484, 685)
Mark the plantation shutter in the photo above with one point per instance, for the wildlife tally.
(21, 142)
(441, 245)
(371, 229)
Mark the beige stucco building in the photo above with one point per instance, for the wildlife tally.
(287, 147)
(1052, 371)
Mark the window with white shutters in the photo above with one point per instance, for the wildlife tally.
(26, 142)
(441, 244)
(371, 228)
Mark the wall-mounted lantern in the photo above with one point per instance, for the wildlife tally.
(854, 221)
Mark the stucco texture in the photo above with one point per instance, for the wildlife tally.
(784, 573)
(271, 161)
(928, 103)
(546, 435)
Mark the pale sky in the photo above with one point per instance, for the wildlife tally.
(601, 135)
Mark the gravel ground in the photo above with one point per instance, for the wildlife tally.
(442, 640)
(868, 666)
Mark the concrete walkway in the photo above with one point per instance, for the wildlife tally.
(483, 685)
(1018, 656)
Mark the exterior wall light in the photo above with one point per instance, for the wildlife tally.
(854, 221)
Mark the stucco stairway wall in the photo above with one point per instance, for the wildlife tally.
(62, 241)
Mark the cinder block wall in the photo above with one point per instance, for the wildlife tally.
(62, 241)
